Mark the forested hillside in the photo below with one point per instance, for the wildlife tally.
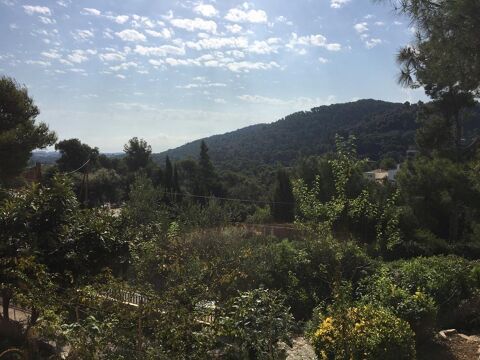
(382, 129)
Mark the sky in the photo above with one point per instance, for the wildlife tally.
(171, 72)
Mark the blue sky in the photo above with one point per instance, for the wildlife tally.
(174, 71)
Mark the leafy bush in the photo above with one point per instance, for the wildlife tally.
(365, 332)
(262, 215)
(253, 324)
(447, 279)
(416, 307)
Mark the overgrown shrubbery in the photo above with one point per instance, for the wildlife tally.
(253, 323)
(364, 332)
(414, 306)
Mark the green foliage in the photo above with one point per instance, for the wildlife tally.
(19, 134)
(351, 210)
(32, 219)
(253, 324)
(380, 127)
(414, 306)
(363, 332)
(208, 181)
(283, 203)
(74, 154)
(441, 59)
(208, 215)
(441, 196)
(447, 279)
(105, 186)
(262, 215)
(143, 205)
(137, 153)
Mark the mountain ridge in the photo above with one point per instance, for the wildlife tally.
(312, 132)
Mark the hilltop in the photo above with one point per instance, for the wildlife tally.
(382, 128)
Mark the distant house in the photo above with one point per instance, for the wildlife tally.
(33, 174)
(381, 175)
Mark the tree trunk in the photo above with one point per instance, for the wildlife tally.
(34, 316)
(6, 298)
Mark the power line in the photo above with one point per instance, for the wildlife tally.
(80, 168)
(231, 199)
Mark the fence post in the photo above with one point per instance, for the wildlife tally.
(139, 330)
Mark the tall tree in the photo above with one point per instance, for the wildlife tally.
(444, 57)
(137, 153)
(175, 179)
(19, 132)
(283, 206)
(208, 181)
(168, 175)
(74, 155)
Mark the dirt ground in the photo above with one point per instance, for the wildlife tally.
(455, 347)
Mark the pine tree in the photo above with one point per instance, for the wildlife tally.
(283, 207)
(175, 180)
(208, 181)
(168, 175)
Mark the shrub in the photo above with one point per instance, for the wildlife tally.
(364, 332)
(447, 279)
(253, 324)
(416, 307)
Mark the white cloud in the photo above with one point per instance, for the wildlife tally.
(47, 20)
(261, 47)
(121, 19)
(124, 66)
(206, 10)
(398, 23)
(38, 62)
(131, 35)
(251, 16)
(195, 24)
(236, 53)
(163, 50)
(337, 4)
(65, 62)
(82, 35)
(164, 33)
(219, 101)
(218, 43)
(312, 40)
(379, 23)
(77, 70)
(42, 10)
(361, 27)
(78, 56)
(218, 60)
(234, 29)
(156, 62)
(53, 54)
(371, 43)
(246, 66)
(184, 62)
(322, 60)
(200, 85)
(333, 47)
(120, 76)
(297, 103)
(141, 22)
(91, 11)
(64, 3)
(109, 57)
(8, 2)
